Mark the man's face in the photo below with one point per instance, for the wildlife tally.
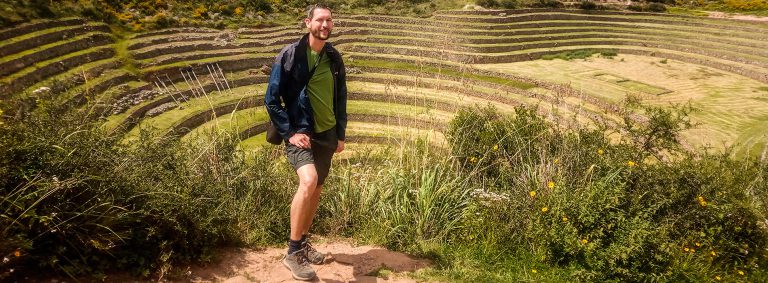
(321, 24)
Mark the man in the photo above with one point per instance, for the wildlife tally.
(307, 102)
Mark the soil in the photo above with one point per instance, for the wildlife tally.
(346, 263)
(722, 15)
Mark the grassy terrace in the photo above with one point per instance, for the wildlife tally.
(94, 67)
(510, 29)
(405, 53)
(532, 47)
(71, 30)
(166, 120)
(54, 46)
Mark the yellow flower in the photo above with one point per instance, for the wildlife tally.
(532, 194)
(495, 147)
(17, 253)
(713, 253)
(687, 250)
(717, 277)
(473, 159)
(584, 241)
(600, 151)
(534, 270)
(544, 209)
(551, 185)
(698, 244)
(631, 163)
(693, 250)
(565, 219)
(703, 203)
(740, 272)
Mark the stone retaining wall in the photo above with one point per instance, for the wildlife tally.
(15, 65)
(53, 69)
(51, 37)
(41, 25)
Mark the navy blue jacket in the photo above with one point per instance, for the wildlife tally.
(287, 100)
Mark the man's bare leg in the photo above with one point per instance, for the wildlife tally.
(315, 202)
(302, 206)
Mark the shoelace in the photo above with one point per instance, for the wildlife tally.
(301, 257)
(309, 248)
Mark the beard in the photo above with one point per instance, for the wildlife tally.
(318, 33)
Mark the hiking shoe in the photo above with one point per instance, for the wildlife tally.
(313, 256)
(299, 266)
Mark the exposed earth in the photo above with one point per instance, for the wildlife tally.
(347, 263)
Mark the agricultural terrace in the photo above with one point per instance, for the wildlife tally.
(408, 78)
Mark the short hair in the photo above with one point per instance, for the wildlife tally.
(311, 9)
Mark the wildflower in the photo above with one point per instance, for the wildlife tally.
(17, 253)
(713, 253)
(532, 194)
(473, 159)
(584, 241)
(600, 151)
(495, 147)
(565, 219)
(703, 203)
(717, 277)
(698, 244)
(551, 185)
(687, 250)
(693, 250)
(700, 198)
(631, 163)
(534, 270)
(544, 209)
(740, 272)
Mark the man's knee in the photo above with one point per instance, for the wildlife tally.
(307, 177)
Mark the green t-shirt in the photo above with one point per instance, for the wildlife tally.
(320, 90)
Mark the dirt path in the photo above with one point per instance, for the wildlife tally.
(722, 15)
(347, 263)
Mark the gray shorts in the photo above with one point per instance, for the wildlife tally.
(323, 146)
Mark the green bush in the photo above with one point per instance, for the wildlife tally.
(640, 209)
(588, 5)
(656, 7)
(77, 201)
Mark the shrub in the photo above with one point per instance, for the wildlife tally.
(487, 3)
(548, 4)
(656, 7)
(509, 4)
(613, 210)
(636, 7)
(588, 5)
(69, 189)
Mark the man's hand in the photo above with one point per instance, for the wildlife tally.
(300, 140)
(340, 146)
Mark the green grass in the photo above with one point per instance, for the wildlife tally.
(449, 72)
(45, 31)
(41, 64)
(579, 54)
(166, 120)
(48, 46)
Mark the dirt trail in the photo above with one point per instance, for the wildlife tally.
(347, 263)
(723, 15)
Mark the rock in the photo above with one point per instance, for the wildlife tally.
(266, 69)
(41, 90)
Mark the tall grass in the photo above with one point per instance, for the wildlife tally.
(509, 198)
(77, 201)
